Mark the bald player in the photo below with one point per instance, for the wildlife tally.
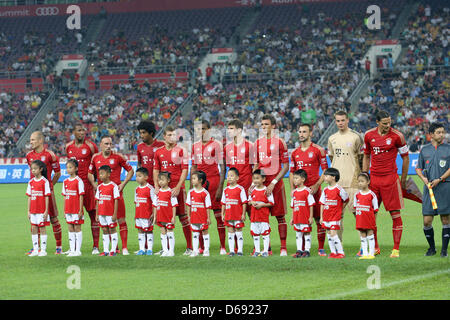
(39, 152)
(116, 161)
(345, 150)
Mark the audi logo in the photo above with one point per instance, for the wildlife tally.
(47, 11)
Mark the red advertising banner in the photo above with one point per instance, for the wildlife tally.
(221, 50)
(385, 42)
(108, 81)
(141, 6)
(118, 7)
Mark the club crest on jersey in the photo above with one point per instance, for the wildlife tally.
(174, 155)
(83, 151)
(242, 150)
(442, 163)
(111, 161)
(310, 154)
(272, 147)
(388, 141)
(43, 158)
(209, 149)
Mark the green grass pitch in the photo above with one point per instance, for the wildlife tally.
(412, 276)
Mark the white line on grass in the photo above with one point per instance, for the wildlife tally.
(387, 285)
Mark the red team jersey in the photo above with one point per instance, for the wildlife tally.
(145, 155)
(260, 215)
(165, 203)
(383, 150)
(145, 200)
(106, 195)
(233, 198)
(366, 205)
(333, 199)
(207, 157)
(301, 202)
(37, 190)
(49, 158)
(83, 154)
(242, 158)
(115, 161)
(310, 160)
(200, 203)
(270, 154)
(72, 190)
(173, 161)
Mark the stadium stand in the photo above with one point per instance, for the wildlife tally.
(416, 91)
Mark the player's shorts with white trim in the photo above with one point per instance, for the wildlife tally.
(302, 227)
(238, 224)
(259, 228)
(144, 224)
(199, 227)
(166, 225)
(388, 190)
(73, 218)
(106, 221)
(331, 225)
(37, 219)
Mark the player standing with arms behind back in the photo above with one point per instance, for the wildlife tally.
(272, 157)
(207, 156)
(146, 149)
(381, 145)
(116, 161)
(174, 160)
(345, 150)
(433, 168)
(82, 150)
(310, 157)
(51, 161)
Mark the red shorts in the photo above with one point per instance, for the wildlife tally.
(316, 206)
(212, 189)
(52, 208)
(121, 208)
(279, 197)
(388, 190)
(89, 197)
(181, 210)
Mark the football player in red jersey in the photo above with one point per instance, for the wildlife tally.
(116, 162)
(146, 149)
(39, 152)
(381, 145)
(207, 156)
(175, 160)
(239, 154)
(272, 156)
(310, 157)
(82, 149)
